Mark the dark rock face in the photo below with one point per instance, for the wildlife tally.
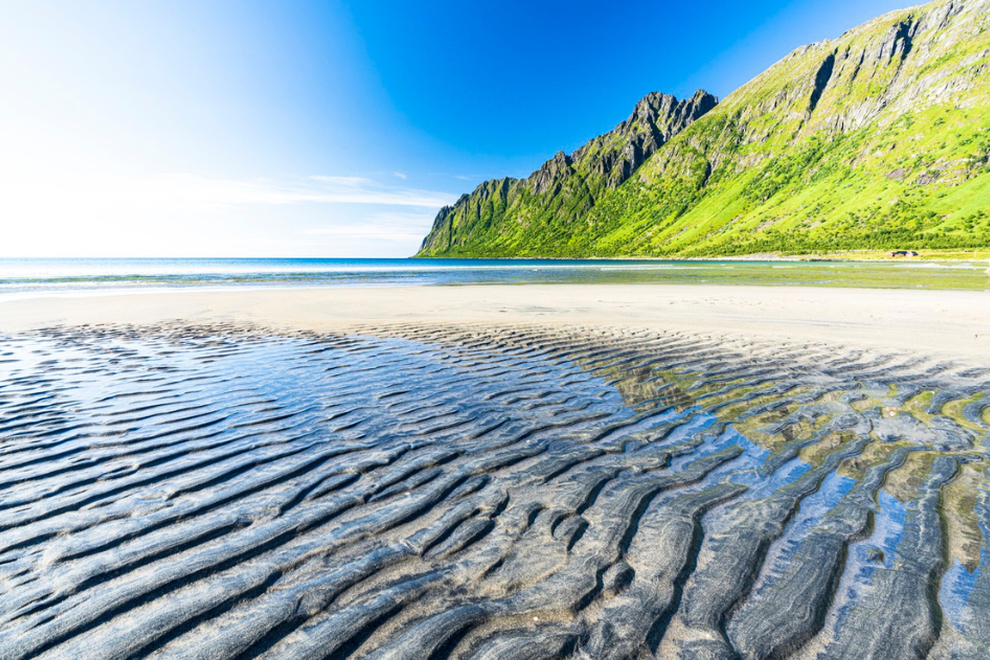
(546, 180)
(899, 41)
(821, 81)
(564, 189)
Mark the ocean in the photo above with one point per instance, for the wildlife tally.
(75, 276)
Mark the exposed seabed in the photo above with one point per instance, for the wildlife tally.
(431, 491)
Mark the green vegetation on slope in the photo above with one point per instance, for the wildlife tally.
(533, 215)
(877, 140)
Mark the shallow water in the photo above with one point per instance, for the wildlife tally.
(428, 492)
(66, 276)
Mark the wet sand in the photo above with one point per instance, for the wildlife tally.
(513, 472)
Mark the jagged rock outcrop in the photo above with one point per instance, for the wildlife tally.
(656, 119)
(877, 139)
(558, 195)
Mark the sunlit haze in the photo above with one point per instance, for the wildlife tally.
(337, 129)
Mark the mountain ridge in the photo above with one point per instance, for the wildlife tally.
(565, 187)
(877, 139)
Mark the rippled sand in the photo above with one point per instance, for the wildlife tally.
(486, 491)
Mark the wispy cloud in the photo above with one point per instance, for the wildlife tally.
(319, 189)
(84, 213)
(405, 227)
(355, 181)
(400, 175)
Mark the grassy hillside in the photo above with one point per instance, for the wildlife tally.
(511, 215)
(879, 139)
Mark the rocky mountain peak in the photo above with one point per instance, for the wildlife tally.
(879, 137)
(566, 187)
(551, 173)
(666, 114)
(657, 118)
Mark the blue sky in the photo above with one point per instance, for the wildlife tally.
(333, 128)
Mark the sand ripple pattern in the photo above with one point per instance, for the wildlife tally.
(486, 493)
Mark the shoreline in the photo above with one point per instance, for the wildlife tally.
(950, 256)
(943, 323)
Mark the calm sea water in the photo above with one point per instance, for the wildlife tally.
(30, 276)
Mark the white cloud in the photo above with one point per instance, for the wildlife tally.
(353, 181)
(400, 175)
(75, 214)
(315, 189)
(79, 191)
(404, 227)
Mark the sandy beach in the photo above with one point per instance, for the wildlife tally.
(445, 331)
(496, 473)
(931, 323)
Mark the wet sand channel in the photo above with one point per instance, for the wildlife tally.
(473, 489)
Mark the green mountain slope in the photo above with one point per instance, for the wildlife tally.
(878, 139)
(531, 216)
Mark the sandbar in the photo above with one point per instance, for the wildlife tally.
(935, 323)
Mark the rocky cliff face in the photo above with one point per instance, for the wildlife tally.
(610, 159)
(555, 198)
(877, 139)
